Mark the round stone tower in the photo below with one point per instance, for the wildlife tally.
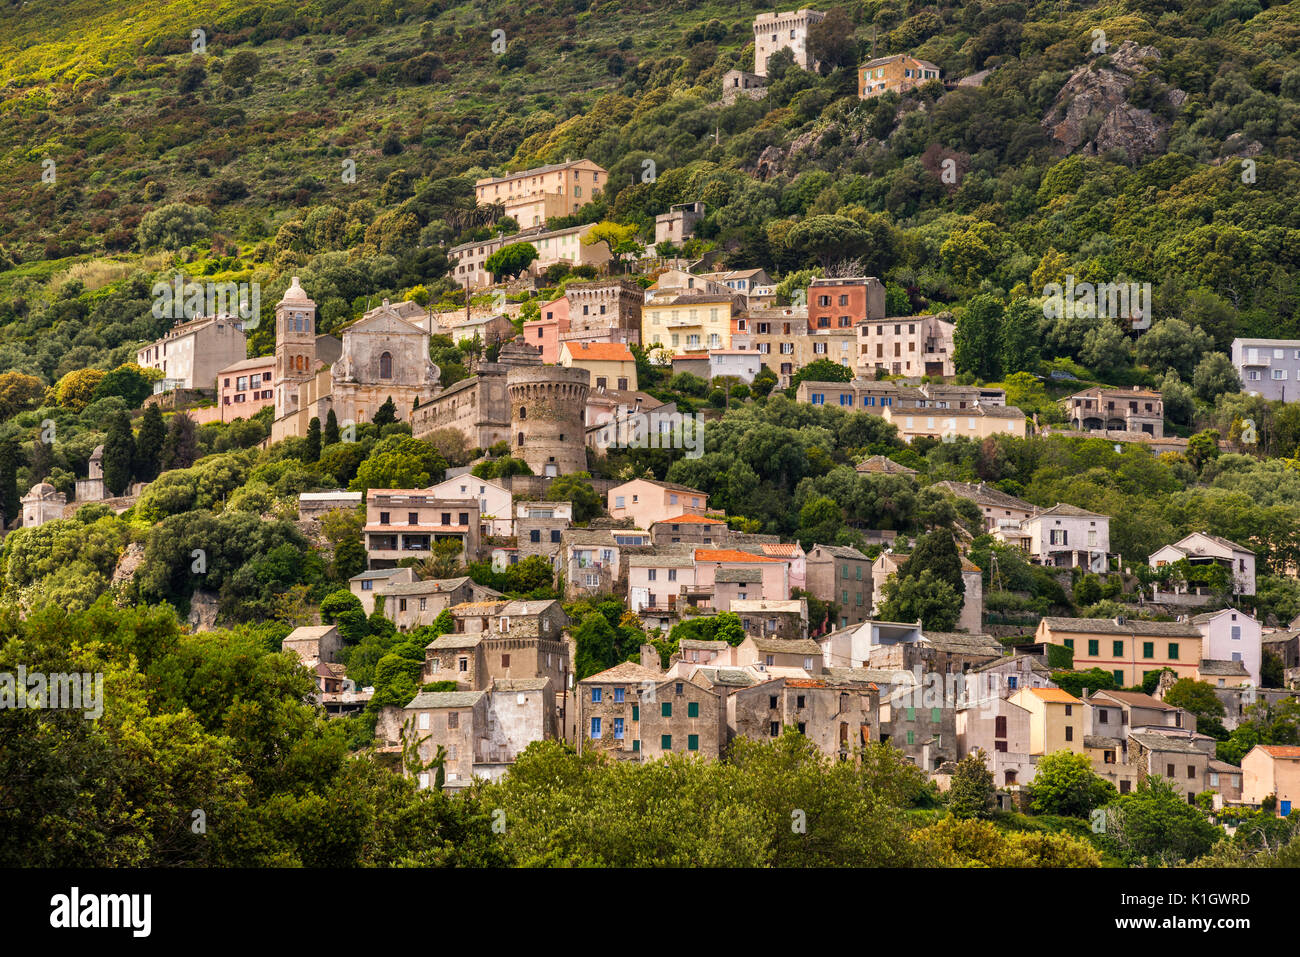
(547, 407)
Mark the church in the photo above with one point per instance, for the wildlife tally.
(383, 354)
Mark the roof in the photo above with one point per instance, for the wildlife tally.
(879, 463)
(1223, 767)
(528, 608)
(445, 699)
(598, 351)
(842, 551)
(729, 555)
(689, 520)
(1226, 669)
(869, 676)
(661, 559)
(781, 549)
(479, 607)
(738, 576)
(787, 646)
(1155, 741)
(699, 644)
(455, 642)
(1131, 626)
(256, 362)
(309, 632)
(425, 587)
(520, 684)
(963, 642)
(625, 671)
(1063, 508)
(1054, 695)
(879, 61)
(1136, 699)
(1100, 741)
(1217, 539)
(734, 677)
(985, 495)
(376, 573)
(1287, 752)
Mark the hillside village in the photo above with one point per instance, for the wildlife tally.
(614, 486)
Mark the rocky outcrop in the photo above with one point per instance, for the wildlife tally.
(128, 563)
(1092, 114)
(203, 610)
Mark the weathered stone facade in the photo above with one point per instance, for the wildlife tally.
(546, 410)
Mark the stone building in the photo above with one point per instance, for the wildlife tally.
(681, 716)
(532, 196)
(842, 575)
(411, 604)
(906, 345)
(1099, 410)
(607, 310)
(838, 717)
(777, 31)
(314, 644)
(678, 223)
(546, 411)
(773, 619)
(540, 527)
(384, 355)
(477, 407)
(735, 84)
(481, 732)
(91, 489)
(42, 504)
(609, 708)
(900, 73)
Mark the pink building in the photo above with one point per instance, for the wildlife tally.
(647, 501)
(245, 387)
(792, 554)
(545, 333)
(733, 575)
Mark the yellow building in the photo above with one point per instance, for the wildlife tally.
(1055, 719)
(900, 73)
(611, 364)
(1127, 648)
(533, 196)
(692, 322)
(975, 423)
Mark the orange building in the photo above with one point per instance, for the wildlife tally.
(900, 72)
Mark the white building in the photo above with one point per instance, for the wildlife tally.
(1202, 549)
(494, 501)
(1231, 635)
(1268, 366)
(191, 353)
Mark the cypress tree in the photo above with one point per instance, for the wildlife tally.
(10, 498)
(386, 414)
(181, 446)
(149, 444)
(119, 453)
(936, 551)
(313, 440)
(331, 428)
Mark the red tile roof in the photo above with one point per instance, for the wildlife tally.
(729, 555)
(690, 519)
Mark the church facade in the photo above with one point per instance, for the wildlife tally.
(384, 355)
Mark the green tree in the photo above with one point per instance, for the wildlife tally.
(926, 598)
(1066, 784)
(331, 428)
(971, 794)
(1198, 697)
(173, 226)
(127, 382)
(10, 497)
(511, 260)
(829, 238)
(977, 337)
(1156, 826)
(119, 453)
(149, 444)
(180, 448)
(399, 461)
(313, 440)
(820, 370)
(1020, 339)
(576, 488)
(936, 551)
(386, 414)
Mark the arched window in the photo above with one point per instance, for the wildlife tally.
(523, 412)
(521, 439)
(386, 365)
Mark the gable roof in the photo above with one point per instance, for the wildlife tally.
(1131, 626)
(597, 351)
(625, 671)
(1136, 699)
(884, 465)
(445, 699)
(731, 555)
(786, 646)
(985, 495)
(1053, 695)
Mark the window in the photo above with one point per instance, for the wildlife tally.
(692, 742)
(1117, 648)
(618, 695)
(1069, 643)
(595, 728)
(1118, 676)
(636, 712)
(1094, 647)
(936, 715)
(464, 664)
(1069, 710)
(1069, 733)
(666, 742)
(386, 365)
(597, 695)
(636, 745)
(1173, 651)
(505, 661)
(1000, 726)
(1148, 649)
(453, 719)
(693, 709)
(618, 729)
(679, 688)
(774, 729)
(1169, 771)
(666, 709)
(367, 585)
